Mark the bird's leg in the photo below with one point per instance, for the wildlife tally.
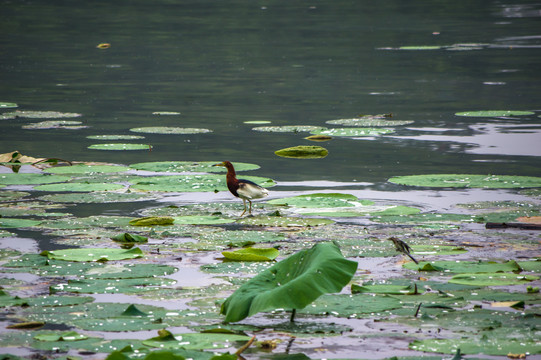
(250, 207)
(244, 202)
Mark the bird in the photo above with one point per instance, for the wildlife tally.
(402, 247)
(244, 189)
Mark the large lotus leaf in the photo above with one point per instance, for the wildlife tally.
(492, 279)
(466, 180)
(368, 122)
(465, 266)
(129, 271)
(93, 254)
(293, 283)
(17, 223)
(289, 128)
(353, 132)
(97, 197)
(321, 200)
(169, 130)
(111, 286)
(166, 340)
(116, 146)
(494, 113)
(351, 306)
(190, 183)
(79, 187)
(86, 169)
(189, 166)
(252, 254)
(303, 152)
(282, 221)
(31, 178)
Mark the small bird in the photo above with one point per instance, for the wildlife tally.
(402, 247)
(244, 189)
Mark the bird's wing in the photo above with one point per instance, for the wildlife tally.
(250, 190)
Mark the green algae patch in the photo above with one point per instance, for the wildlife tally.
(252, 254)
(93, 254)
(494, 113)
(303, 152)
(468, 181)
(169, 130)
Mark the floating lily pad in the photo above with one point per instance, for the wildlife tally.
(42, 114)
(129, 271)
(65, 336)
(190, 183)
(166, 113)
(492, 279)
(236, 238)
(353, 132)
(318, 138)
(252, 254)
(17, 223)
(465, 266)
(130, 238)
(93, 254)
(8, 105)
(79, 187)
(31, 179)
(303, 152)
(120, 147)
(429, 250)
(351, 306)
(101, 197)
(257, 122)
(487, 344)
(284, 221)
(166, 340)
(169, 130)
(86, 169)
(289, 128)
(321, 200)
(470, 181)
(114, 137)
(152, 221)
(56, 124)
(201, 220)
(389, 289)
(421, 47)
(369, 122)
(494, 113)
(189, 166)
(112, 286)
(55, 301)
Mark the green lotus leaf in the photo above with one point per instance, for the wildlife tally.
(86, 169)
(79, 187)
(236, 267)
(189, 166)
(8, 105)
(353, 132)
(486, 344)
(42, 114)
(190, 183)
(129, 271)
(111, 286)
(466, 266)
(252, 254)
(87, 222)
(321, 200)
(351, 306)
(469, 181)
(18, 223)
(166, 340)
(120, 147)
(101, 197)
(40, 265)
(129, 238)
(239, 238)
(65, 336)
(421, 47)
(427, 250)
(93, 254)
(7, 300)
(534, 266)
(292, 283)
(152, 221)
(115, 137)
(283, 221)
(55, 301)
(31, 179)
(56, 124)
(494, 113)
(8, 195)
(201, 220)
(303, 152)
(257, 122)
(389, 289)
(492, 279)
(424, 218)
(169, 130)
(369, 122)
(289, 128)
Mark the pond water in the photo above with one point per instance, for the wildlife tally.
(218, 65)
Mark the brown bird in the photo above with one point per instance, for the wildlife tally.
(244, 189)
(402, 247)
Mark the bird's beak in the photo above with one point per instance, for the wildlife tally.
(219, 164)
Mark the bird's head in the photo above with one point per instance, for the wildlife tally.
(226, 164)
